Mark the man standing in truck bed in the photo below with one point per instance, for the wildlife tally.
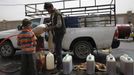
(57, 27)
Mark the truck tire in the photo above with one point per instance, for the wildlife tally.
(7, 49)
(82, 48)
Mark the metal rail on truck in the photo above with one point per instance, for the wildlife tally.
(104, 14)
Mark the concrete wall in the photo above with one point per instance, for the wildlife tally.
(123, 18)
(6, 25)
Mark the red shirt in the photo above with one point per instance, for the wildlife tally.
(27, 40)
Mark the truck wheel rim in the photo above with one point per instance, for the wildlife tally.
(82, 50)
(6, 50)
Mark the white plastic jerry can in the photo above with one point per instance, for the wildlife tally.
(126, 65)
(129, 66)
(90, 64)
(67, 64)
(122, 63)
(111, 64)
(50, 61)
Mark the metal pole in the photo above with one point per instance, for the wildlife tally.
(63, 4)
(79, 3)
(95, 2)
(35, 8)
(25, 10)
(115, 11)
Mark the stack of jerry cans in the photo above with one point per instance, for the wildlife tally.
(90, 64)
(67, 64)
(126, 65)
(111, 64)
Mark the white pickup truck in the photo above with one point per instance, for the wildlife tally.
(81, 41)
(96, 31)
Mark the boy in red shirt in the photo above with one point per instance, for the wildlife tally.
(27, 43)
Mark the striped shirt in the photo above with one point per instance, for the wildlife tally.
(27, 40)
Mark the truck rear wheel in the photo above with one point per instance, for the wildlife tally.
(82, 48)
(6, 49)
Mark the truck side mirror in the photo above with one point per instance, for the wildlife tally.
(19, 27)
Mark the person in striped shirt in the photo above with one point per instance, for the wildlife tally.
(27, 42)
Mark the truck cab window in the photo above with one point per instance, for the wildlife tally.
(35, 22)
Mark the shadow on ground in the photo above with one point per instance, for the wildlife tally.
(12, 66)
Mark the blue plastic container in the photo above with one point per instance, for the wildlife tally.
(72, 22)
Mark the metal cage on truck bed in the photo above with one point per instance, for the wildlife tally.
(89, 15)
